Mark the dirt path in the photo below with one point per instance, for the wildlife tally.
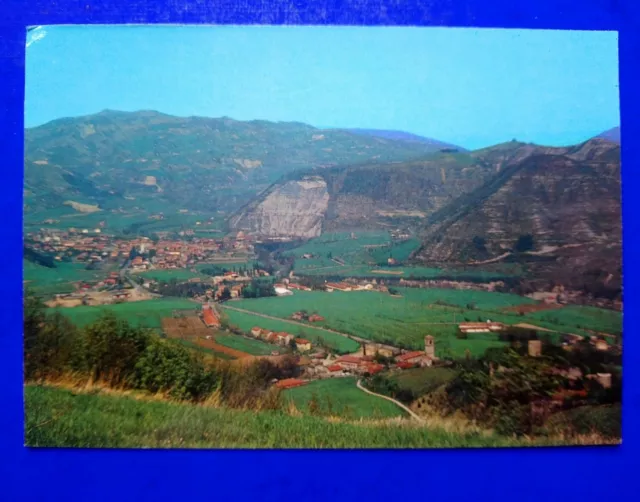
(296, 323)
(397, 403)
(526, 325)
(492, 260)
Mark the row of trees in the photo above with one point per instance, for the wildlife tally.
(117, 354)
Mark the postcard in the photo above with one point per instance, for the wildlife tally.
(321, 237)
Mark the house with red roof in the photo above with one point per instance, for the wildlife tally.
(302, 344)
(416, 358)
(351, 363)
(284, 338)
(289, 383)
(210, 317)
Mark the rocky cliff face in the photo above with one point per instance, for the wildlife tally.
(294, 209)
(364, 196)
(558, 196)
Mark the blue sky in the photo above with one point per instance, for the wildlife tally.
(470, 87)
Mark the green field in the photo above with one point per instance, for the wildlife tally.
(180, 274)
(229, 263)
(364, 255)
(61, 418)
(45, 281)
(340, 246)
(248, 345)
(324, 267)
(246, 321)
(400, 321)
(341, 397)
(420, 381)
(405, 320)
(146, 313)
(581, 317)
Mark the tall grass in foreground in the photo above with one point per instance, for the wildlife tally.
(58, 417)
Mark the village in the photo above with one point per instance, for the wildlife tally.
(318, 362)
(127, 262)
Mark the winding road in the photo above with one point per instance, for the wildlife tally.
(397, 403)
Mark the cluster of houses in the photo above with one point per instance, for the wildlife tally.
(322, 365)
(94, 245)
(281, 338)
(572, 374)
(304, 316)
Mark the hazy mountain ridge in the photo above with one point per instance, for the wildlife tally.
(404, 136)
(612, 134)
(111, 157)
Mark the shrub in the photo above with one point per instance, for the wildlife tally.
(167, 366)
(113, 348)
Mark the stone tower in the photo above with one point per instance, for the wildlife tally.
(429, 346)
(535, 348)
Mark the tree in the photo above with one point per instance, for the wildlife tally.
(225, 295)
(524, 243)
(112, 348)
(49, 350)
(479, 243)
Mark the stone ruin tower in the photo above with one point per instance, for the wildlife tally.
(535, 348)
(430, 346)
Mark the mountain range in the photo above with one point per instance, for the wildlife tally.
(290, 179)
(112, 159)
(470, 208)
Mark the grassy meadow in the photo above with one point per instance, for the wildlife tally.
(147, 313)
(341, 397)
(179, 274)
(62, 418)
(45, 281)
(248, 345)
(363, 255)
(420, 381)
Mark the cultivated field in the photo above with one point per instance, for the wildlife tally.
(246, 321)
(192, 329)
(248, 345)
(341, 397)
(148, 313)
(338, 254)
(185, 327)
(405, 320)
(45, 281)
(198, 346)
(180, 274)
